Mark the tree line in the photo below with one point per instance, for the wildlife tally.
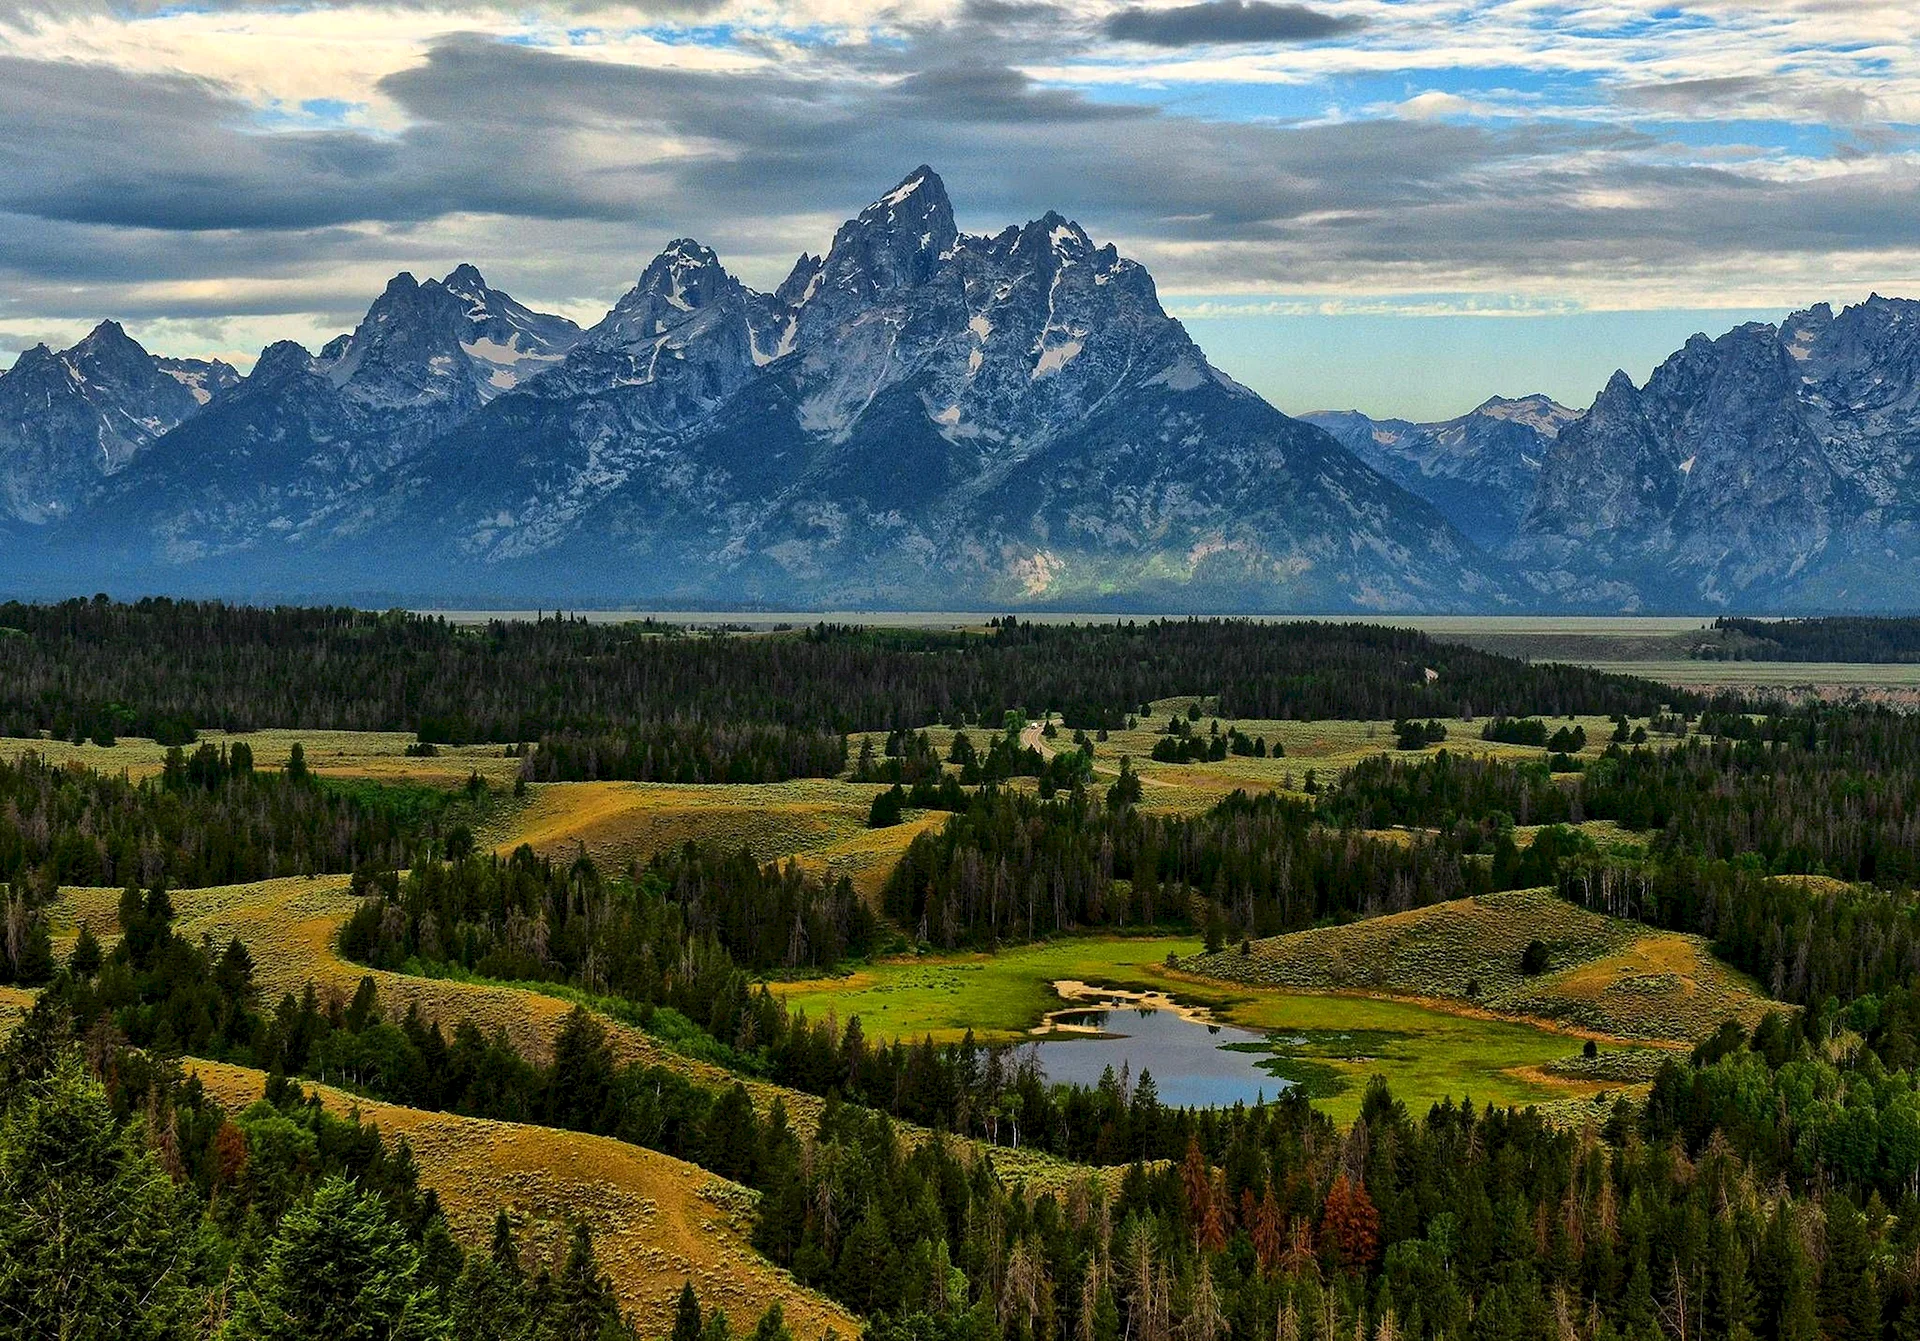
(1013, 867)
(1832, 638)
(209, 818)
(162, 668)
(1820, 791)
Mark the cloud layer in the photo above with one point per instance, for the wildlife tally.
(219, 172)
(1226, 21)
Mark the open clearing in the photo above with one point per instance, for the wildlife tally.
(380, 755)
(1335, 1040)
(1615, 978)
(623, 822)
(998, 996)
(657, 1222)
(1325, 747)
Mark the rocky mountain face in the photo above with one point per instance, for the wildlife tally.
(304, 449)
(71, 419)
(922, 417)
(1769, 469)
(917, 417)
(1478, 470)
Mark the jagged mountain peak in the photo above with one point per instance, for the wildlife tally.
(283, 359)
(455, 339)
(919, 195)
(801, 281)
(913, 415)
(687, 274)
(466, 281)
(107, 334)
(683, 281)
(894, 243)
(70, 419)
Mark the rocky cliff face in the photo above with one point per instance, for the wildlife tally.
(1771, 468)
(71, 419)
(926, 417)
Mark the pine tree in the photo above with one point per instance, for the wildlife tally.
(1849, 1299)
(686, 1316)
(580, 1084)
(84, 962)
(339, 1269)
(487, 1302)
(772, 1325)
(584, 1307)
(95, 1241)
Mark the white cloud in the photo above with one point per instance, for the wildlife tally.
(1527, 160)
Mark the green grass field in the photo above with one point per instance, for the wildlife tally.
(1334, 1041)
(997, 996)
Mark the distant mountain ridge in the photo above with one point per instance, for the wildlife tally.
(1479, 469)
(71, 419)
(919, 417)
(1771, 468)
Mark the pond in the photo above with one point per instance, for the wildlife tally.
(1195, 1061)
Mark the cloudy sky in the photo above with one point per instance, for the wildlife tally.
(1402, 205)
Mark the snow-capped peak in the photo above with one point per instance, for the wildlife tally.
(687, 275)
(896, 242)
(920, 192)
(466, 281)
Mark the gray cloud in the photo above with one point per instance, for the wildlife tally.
(1224, 21)
(116, 183)
(1008, 11)
(1752, 95)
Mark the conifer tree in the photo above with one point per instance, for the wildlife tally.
(95, 1241)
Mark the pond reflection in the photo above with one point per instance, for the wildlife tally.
(1191, 1060)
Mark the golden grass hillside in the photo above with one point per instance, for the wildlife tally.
(15, 1002)
(622, 822)
(291, 927)
(379, 755)
(657, 1222)
(1610, 977)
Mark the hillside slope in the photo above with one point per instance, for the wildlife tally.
(657, 1222)
(1614, 977)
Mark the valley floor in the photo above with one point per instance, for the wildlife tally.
(1386, 996)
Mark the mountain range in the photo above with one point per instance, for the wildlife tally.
(924, 418)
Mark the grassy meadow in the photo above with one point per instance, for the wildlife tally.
(376, 755)
(1332, 1041)
(1388, 996)
(1326, 747)
(622, 822)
